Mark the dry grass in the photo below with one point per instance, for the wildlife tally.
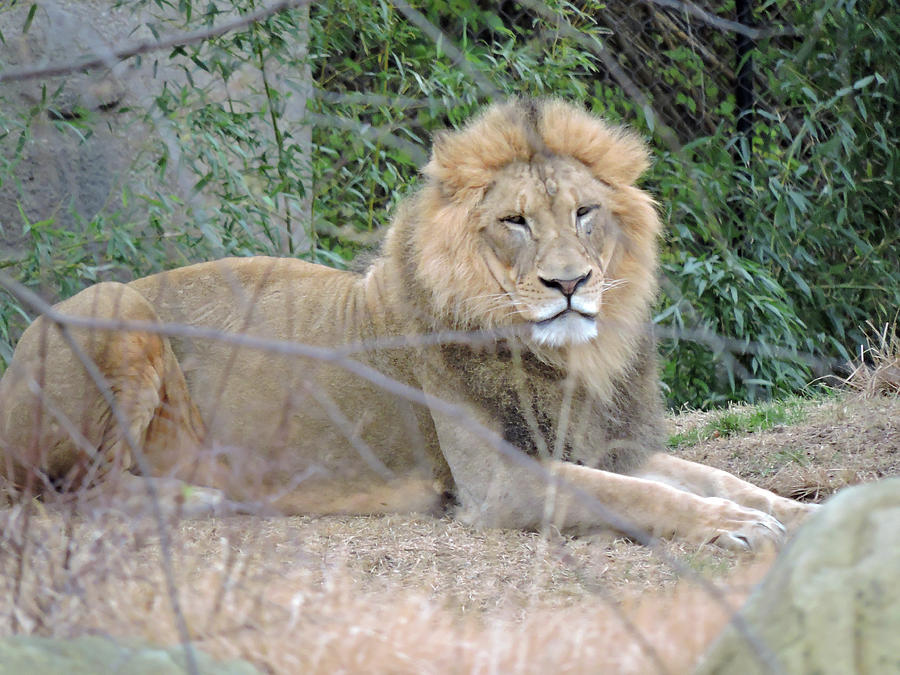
(877, 370)
(840, 442)
(404, 594)
(306, 595)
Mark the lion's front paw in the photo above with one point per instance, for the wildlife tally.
(737, 528)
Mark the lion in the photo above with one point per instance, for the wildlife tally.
(493, 359)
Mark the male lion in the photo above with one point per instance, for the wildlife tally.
(528, 223)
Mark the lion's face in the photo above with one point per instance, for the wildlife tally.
(549, 243)
(529, 215)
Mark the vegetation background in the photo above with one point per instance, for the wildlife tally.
(773, 125)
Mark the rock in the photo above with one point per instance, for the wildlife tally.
(79, 141)
(831, 603)
(89, 655)
(64, 175)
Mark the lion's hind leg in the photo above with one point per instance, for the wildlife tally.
(64, 427)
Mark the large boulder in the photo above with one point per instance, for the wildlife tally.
(831, 603)
(78, 151)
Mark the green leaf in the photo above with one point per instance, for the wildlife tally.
(30, 17)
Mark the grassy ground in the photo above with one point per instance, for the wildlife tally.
(414, 595)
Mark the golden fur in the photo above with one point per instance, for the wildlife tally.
(528, 222)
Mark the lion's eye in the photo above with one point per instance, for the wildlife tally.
(583, 218)
(518, 220)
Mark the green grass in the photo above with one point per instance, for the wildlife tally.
(746, 419)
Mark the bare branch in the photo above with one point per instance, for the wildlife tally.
(115, 54)
(717, 22)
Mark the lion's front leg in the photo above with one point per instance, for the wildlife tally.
(496, 489)
(707, 481)
(582, 499)
(643, 508)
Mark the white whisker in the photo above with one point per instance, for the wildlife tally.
(615, 283)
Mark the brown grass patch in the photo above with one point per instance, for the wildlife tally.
(363, 595)
(877, 370)
(841, 442)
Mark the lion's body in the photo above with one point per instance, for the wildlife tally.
(528, 223)
(313, 412)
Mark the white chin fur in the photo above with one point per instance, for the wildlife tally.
(569, 329)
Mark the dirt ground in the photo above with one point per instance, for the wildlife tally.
(411, 594)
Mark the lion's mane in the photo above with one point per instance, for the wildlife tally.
(433, 244)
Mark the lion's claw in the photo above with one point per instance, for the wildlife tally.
(737, 528)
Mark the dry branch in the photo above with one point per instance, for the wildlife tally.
(110, 57)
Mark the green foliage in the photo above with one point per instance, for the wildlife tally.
(398, 85)
(832, 171)
(783, 240)
(247, 165)
(789, 238)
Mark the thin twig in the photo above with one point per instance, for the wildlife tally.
(112, 56)
(717, 22)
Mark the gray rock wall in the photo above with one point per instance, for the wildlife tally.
(95, 136)
(68, 171)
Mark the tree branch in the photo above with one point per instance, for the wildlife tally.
(110, 57)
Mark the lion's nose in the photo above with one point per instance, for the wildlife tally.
(566, 286)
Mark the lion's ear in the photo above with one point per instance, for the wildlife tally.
(450, 166)
(458, 164)
(465, 161)
(613, 154)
